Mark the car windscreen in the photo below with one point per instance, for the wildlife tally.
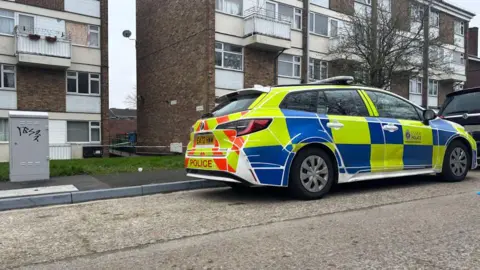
(233, 105)
(459, 104)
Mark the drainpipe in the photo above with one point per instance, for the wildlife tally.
(275, 67)
(306, 41)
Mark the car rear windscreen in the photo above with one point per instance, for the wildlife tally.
(234, 104)
(459, 104)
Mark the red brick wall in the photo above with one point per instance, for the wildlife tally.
(446, 28)
(50, 4)
(258, 67)
(41, 89)
(175, 61)
(121, 126)
(473, 74)
(343, 6)
(473, 41)
(400, 85)
(444, 88)
(105, 109)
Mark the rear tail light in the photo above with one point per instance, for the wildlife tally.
(248, 126)
(441, 117)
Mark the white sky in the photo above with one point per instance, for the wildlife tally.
(122, 51)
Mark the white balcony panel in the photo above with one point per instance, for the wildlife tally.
(7, 45)
(415, 26)
(228, 79)
(459, 41)
(432, 101)
(4, 152)
(85, 7)
(319, 44)
(458, 69)
(434, 32)
(268, 27)
(416, 98)
(85, 55)
(283, 80)
(8, 99)
(60, 48)
(83, 104)
(228, 24)
(54, 26)
(57, 131)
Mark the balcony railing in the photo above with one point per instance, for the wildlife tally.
(260, 21)
(42, 42)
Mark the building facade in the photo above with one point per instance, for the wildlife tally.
(54, 58)
(473, 71)
(201, 49)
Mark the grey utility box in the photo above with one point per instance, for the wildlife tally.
(29, 146)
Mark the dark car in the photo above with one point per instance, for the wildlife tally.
(463, 107)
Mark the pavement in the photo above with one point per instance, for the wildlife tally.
(403, 223)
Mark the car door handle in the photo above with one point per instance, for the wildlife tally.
(391, 128)
(334, 125)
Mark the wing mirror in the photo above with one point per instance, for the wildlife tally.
(428, 115)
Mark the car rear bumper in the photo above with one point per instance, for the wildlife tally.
(218, 176)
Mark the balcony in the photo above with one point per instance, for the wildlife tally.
(265, 30)
(457, 74)
(43, 48)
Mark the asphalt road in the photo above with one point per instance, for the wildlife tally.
(407, 223)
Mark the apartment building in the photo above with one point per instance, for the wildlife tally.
(54, 58)
(190, 52)
(473, 71)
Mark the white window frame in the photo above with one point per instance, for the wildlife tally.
(17, 20)
(2, 69)
(434, 17)
(89, 32)
(222, 50)
(460, 26)
(418, 86)
(434, 84)
(90, 79)
(295, 14)
(90, 128)
(311, 66)
(294, 63)
(7, 131)
(329, 25)
(9, 18)
(223, 11)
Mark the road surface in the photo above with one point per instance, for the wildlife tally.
(406, 223)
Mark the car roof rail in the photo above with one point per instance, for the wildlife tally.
(340, 80)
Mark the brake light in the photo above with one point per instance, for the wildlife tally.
(441, 117)
(248, 126)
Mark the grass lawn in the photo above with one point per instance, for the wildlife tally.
(96, 166)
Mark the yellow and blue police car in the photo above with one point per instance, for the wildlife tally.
(309, 137)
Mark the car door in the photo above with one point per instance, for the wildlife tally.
(409, 143)
(346, 119)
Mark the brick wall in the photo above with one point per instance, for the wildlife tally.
(473, 41)
(401, 11)
(121, 126)
(259, 67)
(175, 61)
(343, 6)
(400, 85)
(446, 28)
(473, 74)
(41, 89)
(105, 72)
(50, 4)
(444, 88)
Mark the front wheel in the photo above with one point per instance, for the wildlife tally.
(312, 174)
(456, 162)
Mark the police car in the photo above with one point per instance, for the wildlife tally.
(309, 137)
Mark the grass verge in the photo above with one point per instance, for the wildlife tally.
(99, 166)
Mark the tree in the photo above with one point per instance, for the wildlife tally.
(131, 99)
(377, 42)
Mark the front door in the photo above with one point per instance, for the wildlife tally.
(409, 143)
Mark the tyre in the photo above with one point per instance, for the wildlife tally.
(456, 162)
(312, 174)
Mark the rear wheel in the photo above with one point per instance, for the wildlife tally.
(456, 162)
(312, 174)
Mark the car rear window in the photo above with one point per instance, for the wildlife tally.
(234, 104)
(459, 104)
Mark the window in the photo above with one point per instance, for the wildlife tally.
(289, 65)
(285, 13)
(366, 2)
(333, 28)
(8, 77)
(460, 104)
(235, 104)
(458, 58)
(434, 19)
(318, 24)
(341, 102)
(322, 3)
(459, 28)
(318, 69)
(297, 23)
(83, 131)
(234, 7)
(3, 130)
(7, 22)
(416, 86)
(301, 101)
(94, 36)
(389, 106)
(432, 88)
(26, 24)
(83, 83)
(417, 13)
(228, 56)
